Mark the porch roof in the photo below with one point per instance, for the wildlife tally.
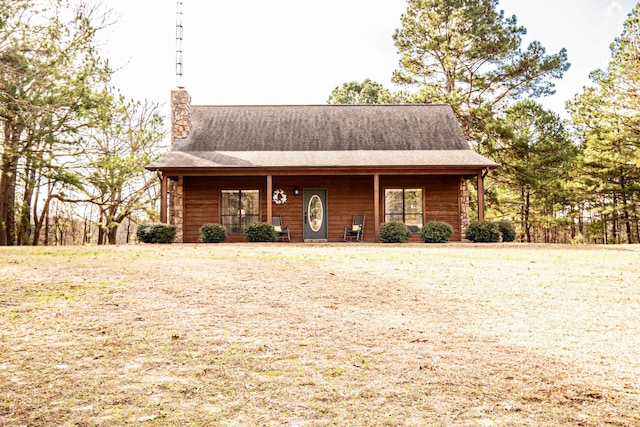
(333, 158)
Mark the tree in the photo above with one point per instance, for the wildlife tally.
(466, 54)
(46, 89)
(536, 158)
(608, 118)
(112, 174)
(367, 92)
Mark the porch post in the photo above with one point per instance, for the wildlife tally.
(480, 197)
(376, 206)
(163, 199)
(269, 193)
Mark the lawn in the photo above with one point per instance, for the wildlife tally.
(320, 335)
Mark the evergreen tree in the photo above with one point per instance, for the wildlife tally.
(467, 54)
(608, 118)
(536, 157)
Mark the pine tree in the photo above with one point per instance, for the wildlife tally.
(467, 54)
(608, 117)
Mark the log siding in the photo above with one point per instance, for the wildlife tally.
(346, 196)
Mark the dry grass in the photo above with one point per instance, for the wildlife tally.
(316, 335)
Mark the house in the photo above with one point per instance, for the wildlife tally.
(316, 166)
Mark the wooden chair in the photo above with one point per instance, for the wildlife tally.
(355, 232)
(282, 232)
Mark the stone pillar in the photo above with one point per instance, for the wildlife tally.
(464, 206)
(176, 207)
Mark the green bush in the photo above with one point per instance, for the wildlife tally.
(579, 240)
(483, 231)
(436, 232)
(212, 233)
(394, 232)
(507, 231)
(156, 232)
(260, 232)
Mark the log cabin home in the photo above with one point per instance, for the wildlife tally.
(316, 166)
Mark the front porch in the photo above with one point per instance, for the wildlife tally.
(191, 201)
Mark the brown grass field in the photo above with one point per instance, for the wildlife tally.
(320, 335)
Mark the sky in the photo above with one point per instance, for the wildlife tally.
(298, 51)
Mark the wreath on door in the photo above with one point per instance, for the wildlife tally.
(279, 196)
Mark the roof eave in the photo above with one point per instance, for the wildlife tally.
(325, 170)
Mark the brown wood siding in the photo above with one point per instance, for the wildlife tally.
(443, 203)
(346, 196)
(202, 201)
(441, 198)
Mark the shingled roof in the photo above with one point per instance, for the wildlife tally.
(322, 135)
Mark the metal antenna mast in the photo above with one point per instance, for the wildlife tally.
(179, 35)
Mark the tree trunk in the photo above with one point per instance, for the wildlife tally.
(614, 220)
(625, 209)
(43, 219)
(527, 208)
(7, 202)
(102, 226)
(8, 179)
(112, 233)
(24, 227)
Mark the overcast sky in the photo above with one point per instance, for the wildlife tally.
(298, 51)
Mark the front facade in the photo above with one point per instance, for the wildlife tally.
(316, 167)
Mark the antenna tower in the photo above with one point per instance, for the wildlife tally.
(179, 35)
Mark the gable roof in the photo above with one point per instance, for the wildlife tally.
(322, 136)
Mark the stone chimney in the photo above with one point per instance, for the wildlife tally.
(180, 127)
(180, 114)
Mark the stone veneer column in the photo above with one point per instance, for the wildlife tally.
(176, 208)
(464, 206)
(180, 127)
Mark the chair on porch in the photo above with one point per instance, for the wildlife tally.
(281, 232)
(356, 230)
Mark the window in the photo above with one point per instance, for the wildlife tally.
(238, 209)
(404, 205)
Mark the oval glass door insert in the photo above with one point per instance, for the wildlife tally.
(315, 213)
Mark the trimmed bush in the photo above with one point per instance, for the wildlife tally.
(483, 231)
(260, 232)
(436, 232)
(156, 232)
(394, 232)
(507, 231)
(212, 233)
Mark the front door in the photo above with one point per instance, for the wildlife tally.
(314, 206)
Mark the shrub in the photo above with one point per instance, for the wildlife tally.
(507, 231)
(483, 231)
(436, 232)
(579, 240)
(394, 232)
(260, 232)
(156, 232)
(212, 233)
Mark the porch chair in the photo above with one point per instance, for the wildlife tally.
(356, 230)
(282, 232)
